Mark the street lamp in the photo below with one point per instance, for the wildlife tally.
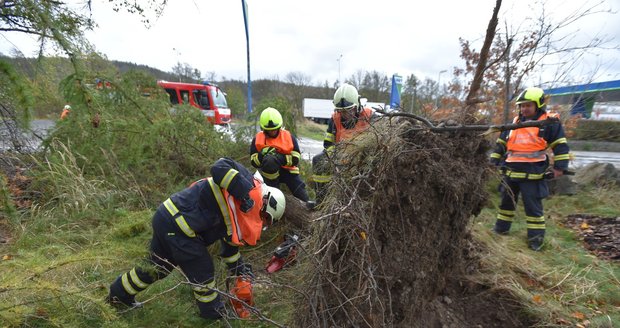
(178, 53)
(338, 60)
(438, 85)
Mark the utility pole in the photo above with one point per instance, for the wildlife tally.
(178, 53)
(438, 86)
(339, 60)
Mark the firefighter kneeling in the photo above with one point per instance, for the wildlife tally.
(232, 207)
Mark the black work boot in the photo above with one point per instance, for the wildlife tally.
(213, 310)
(119, 298)
(502, 227)
(535, 243)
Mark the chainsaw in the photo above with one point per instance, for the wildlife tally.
(284, 254)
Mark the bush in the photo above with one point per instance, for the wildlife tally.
(598, 130)
(138, 147)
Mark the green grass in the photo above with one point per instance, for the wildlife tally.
(309, 129)
(76, 240)
(564, 284)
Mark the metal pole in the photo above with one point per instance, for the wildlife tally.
(438, 86)
(247, 41)
(338, 60)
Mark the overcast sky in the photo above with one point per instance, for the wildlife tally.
(330, 39)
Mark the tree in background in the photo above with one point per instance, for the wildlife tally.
(518, 53)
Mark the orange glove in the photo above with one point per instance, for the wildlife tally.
(242, 291)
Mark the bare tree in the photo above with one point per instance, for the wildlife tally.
(517, 53)
(298, 85)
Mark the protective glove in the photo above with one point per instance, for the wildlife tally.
(247, 204)
(268, 150)
(270, 164)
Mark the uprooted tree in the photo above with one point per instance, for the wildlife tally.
(393, 229)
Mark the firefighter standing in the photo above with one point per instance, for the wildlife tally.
(522, 154)
(231, 206)
(275, 152)
(348, 120)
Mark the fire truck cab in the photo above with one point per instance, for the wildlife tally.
(209, 98)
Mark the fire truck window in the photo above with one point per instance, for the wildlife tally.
(173, 96)
(204, 99)
(185, 96)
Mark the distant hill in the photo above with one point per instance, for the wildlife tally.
(158, 74)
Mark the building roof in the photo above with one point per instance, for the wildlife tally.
(599, 91)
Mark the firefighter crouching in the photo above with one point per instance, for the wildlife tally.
(522, 155)
(274, 151)
(231, 206)
(348, 120)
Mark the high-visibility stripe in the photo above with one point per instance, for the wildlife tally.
(254, 158)
(206, 298)
(270, 176)
(185, 227)
(535, 222)
(219, 197)
(296, 154)
(127, 285)
(329, 137)
(501, 141)
(557, 142)
(172, 209)
(205, 294)
(496, 155)
(228, 178)
(206, 288)
(504, 217)
(561, 157)
(506, 212)
(523, 175)
(527, 154)
(289, 160)
(232, 259)
(136, 280)
(234, 219)
(293, 169)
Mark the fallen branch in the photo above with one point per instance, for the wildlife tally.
(449, 127)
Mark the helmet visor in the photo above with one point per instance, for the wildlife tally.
(344, 104)
(265, 215)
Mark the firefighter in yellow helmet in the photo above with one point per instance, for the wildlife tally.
(522, 155)
(349, 119)
(274, 151)
(231, 207)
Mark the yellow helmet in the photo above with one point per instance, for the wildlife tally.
(346, 97)
(270, 119)
(535, 95)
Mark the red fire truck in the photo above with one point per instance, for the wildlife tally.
(209, 98)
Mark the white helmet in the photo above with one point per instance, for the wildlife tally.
(346, 97)
(273, 203)
(67, 107)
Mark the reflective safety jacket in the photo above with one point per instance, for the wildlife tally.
(523, 151)
(286, 149)
(64, 114)
(338, 130)
(210, 208)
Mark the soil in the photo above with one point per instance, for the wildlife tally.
(600, 235)
(393, 244)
